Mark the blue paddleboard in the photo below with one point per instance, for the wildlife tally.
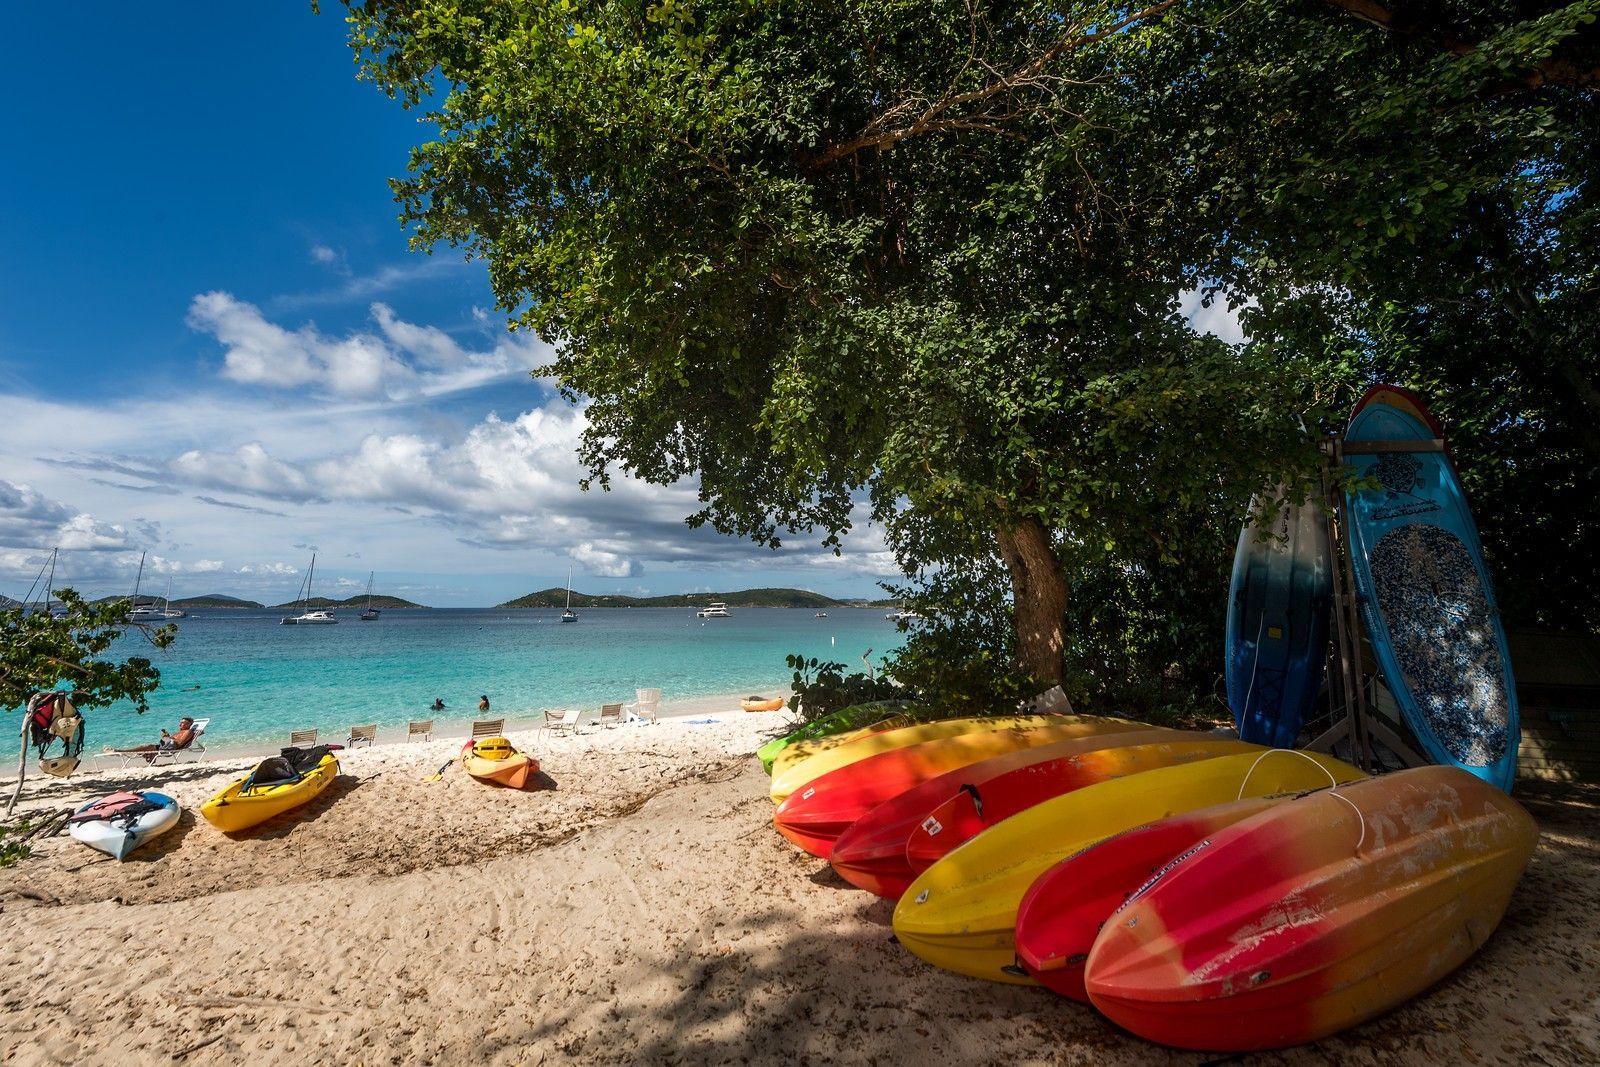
(1425, 593)
(1277, 634)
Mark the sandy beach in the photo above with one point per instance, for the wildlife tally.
(643, 912)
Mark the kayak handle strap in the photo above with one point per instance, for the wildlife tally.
(1287, 752)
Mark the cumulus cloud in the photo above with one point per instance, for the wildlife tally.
(29, 521)
(400, 360)
(272, 570)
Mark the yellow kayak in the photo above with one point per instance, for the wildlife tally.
(961, 913)
(1011, 732)
(275, 786)
(796, 751)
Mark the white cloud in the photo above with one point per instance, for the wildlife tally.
(275, 570)
(401, 360)
(604, 564)
(1218, 319)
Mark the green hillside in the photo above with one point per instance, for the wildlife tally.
(556, 597)
(360, 601)
(214, 600)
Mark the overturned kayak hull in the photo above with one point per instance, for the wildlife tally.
(961, 913)
(1315, 916)
(973, 810)
(814, 817)
(871, 854)
(1063, 912)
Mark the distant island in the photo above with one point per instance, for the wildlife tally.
(360, 601)
(214, 600)
(556, 597)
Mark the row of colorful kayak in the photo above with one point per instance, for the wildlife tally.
(121, 822)
(1200, 891)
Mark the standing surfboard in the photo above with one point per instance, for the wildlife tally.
(1425, 593)
(1277, 634)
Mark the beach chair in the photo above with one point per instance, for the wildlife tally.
(646, 703)
(156, 757)
(360, 734)
(487, 728)
(420, 727)
(302, 738)
(561, 720)
(611, 715)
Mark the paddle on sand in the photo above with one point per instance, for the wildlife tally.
(438, 774)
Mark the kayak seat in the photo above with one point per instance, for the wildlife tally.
(275, 770)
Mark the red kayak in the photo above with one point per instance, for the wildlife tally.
(814, 816)
(1315, 915)
(1063, 912)
(871, 853)
(971, 811)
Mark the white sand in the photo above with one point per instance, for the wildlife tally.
(644, 912)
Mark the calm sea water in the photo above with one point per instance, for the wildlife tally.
(257, 680)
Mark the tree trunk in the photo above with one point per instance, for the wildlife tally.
(1039, 600)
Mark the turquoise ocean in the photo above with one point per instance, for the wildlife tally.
(258, 680)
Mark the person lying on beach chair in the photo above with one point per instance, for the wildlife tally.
(169, 743)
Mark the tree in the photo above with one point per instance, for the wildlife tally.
(39, 650)
(911, 260)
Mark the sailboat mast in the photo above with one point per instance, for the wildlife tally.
(569, 587)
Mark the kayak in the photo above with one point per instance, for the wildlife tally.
(1316, 915)
(757, 704)
(276, 785)
(961, 913)
(793, 775)
(814, 817)
(494, 761)
(1060, 916)
(119, 823)
(812, 745)
(871, 854)
(867, 718)
(968, 813)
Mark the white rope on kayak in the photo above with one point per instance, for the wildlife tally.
(1363, 838)
(1289, 752)
(1334, 782)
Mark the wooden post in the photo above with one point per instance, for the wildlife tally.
(22, 763)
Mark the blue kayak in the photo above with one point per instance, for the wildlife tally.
(1277, 633)
(1425, 594)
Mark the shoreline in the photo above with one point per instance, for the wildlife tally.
(100, 761)
(644, 911)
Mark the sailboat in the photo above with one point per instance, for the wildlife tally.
(370, 612)
(167, 610)
(309, 616)
(569, 615)
(145, 612)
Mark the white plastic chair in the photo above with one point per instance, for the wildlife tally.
(561, 721)
(646, 704)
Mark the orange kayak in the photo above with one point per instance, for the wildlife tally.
(500, 766)
(971, 811)
(871, 854)
(1314, 916)
(814, 817)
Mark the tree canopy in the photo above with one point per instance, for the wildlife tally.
(922, 261)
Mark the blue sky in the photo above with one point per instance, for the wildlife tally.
(215, 347)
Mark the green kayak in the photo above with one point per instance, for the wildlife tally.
(867, 718)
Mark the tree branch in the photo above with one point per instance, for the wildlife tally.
(1550, 71)
(891, 127)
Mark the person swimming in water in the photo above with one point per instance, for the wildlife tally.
(483, 702)
(437, 705)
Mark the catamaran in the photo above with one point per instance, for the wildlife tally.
(141, 612)
(309, 616)
(714, 610)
